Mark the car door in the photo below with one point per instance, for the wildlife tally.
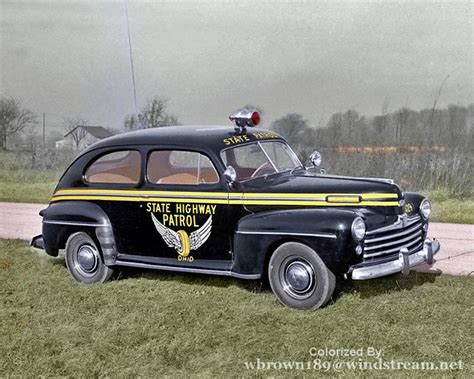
(112, 179)
(184, 216)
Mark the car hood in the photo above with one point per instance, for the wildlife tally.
(363, 192)
(317, 183)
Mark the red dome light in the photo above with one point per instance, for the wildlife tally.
(255, 118)
(245, 117)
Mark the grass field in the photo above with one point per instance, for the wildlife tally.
(446, 208)
(152, 323)
(21, 183)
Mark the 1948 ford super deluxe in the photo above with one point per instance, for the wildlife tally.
(233, 201)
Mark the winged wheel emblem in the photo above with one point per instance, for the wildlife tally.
(180, 240)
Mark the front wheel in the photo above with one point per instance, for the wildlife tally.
(299, 278)
(83, 260)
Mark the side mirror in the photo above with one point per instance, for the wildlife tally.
(315, 158)
(230, 175)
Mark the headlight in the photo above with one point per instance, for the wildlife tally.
(425, 209)
(358, 229)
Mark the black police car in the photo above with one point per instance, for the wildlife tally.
(233, 201)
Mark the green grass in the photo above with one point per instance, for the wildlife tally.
(446, 208)
(21, 183)
(153, 323)
(27, 192)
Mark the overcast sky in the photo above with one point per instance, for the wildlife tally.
(70, 58)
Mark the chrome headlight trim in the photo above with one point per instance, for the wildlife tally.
(358, 229)
(425, 209)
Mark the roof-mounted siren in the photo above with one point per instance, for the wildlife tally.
(245, 117)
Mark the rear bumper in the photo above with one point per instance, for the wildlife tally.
(403, 264)
(37, 242)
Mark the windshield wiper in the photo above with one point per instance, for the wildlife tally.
(300, 167)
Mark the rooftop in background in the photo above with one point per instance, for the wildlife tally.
(97, 131)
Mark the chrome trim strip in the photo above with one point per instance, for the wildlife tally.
(324, 235)
(309, 199)
(406, 231)
(400, 241)
(429, 248)
(217, 197)
(73, 223)
(383, 180)
(397, 225)
(357, 199)
(188, 269)
(385, 252)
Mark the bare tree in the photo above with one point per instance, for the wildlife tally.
(295, 129)
(13, 119)
(131, 122)
(433, 108)
(401, 121)
(381, 122)
(457, 126)
(352, 125)
(335, 125)
(73, 128)
(153, 115)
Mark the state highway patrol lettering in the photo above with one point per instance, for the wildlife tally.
(178, 215)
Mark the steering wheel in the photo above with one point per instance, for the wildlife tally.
(265, 166)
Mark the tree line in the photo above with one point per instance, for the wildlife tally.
(450, 127)
(447, 128)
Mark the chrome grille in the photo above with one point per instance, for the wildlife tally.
(387, 241)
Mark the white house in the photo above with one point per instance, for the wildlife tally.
(82, 136)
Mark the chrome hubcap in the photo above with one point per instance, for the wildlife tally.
(87, 259)
(297, 278)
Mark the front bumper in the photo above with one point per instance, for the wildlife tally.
(403, 264)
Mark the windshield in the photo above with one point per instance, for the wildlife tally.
(260, 158)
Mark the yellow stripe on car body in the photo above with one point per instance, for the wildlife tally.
(239, 198)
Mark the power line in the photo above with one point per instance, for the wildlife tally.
(131, 60)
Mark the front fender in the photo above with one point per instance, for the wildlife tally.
(64, 218)
(327, 231)
(415, 200)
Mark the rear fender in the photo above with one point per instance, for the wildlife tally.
(62, 219)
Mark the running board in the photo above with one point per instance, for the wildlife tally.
(188, 269)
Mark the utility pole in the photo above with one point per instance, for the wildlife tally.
(131, 63)
(44, 129)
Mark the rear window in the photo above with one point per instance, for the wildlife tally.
(120, 167)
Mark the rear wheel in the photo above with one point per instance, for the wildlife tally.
(299, 278)
(83, 260)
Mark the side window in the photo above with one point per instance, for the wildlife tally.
(120, 167)
(180, 167)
